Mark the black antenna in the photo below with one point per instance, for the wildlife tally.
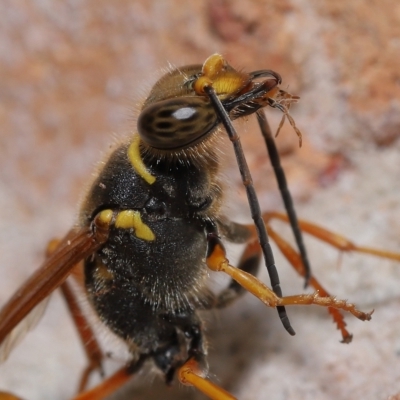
(253, 202)
(283, 188)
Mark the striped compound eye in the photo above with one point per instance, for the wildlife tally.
(176, 123)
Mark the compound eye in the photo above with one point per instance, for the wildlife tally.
(176, 123)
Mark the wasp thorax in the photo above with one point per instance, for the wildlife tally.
(176, 123)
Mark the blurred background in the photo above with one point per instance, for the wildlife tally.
(72, 76)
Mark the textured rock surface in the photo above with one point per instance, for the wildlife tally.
(73, 74)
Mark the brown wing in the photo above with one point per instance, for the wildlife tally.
(78, 244)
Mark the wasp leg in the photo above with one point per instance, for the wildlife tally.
(87, 337)
(111, 384)
(190, 374)
(295, 260)
(194, 371)
(233, 231)
(92, 348)
(217, 261)
(335, 240)
(249, 263)
(107, 387)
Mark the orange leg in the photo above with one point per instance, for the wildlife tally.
(331, 238)
(107, 387)
(189, 374)
(217, 261)
(295, 260)
(335, 240)
(250, 263)
(252, 251)
(91, 346)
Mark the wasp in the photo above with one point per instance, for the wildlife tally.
(152, 226)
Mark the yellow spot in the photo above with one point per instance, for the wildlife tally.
(102, 274)
(225, 80)
(217, 258)
(214, 65)
(132, 219)
(105, 216)
(137, 163)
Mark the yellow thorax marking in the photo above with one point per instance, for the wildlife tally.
(105, 216)
(132, 219)
(137, 163)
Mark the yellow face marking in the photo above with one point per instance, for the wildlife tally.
(137, 163)
(132, 219)
(225, 80)
(105, 216)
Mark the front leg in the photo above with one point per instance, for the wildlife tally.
(217, 261)
(249, 261)
(238, 233)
